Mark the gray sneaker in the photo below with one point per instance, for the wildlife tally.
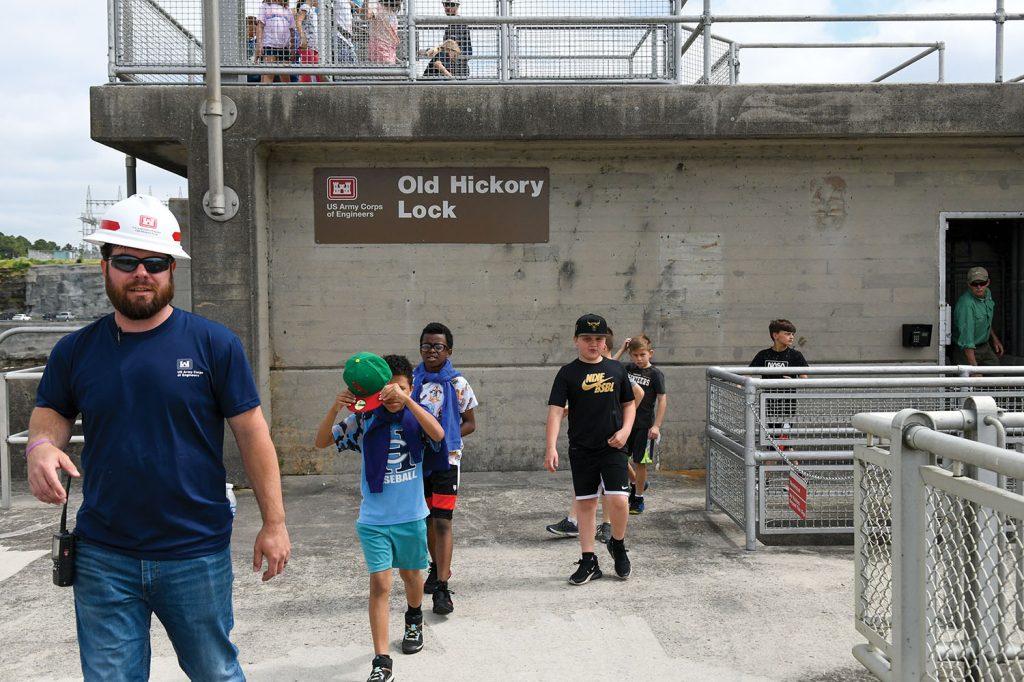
(604, 532)
(564, 529)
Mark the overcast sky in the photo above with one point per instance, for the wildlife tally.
(49, 160)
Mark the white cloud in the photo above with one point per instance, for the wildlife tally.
(49, 160)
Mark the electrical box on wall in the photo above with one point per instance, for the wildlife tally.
(917, 335)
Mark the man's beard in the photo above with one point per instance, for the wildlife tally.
(136, 308)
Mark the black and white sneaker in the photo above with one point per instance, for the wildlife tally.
(563, 529)
(381, 670)
(431, 582)
(617, 548)
(604, 533)
(443, 599)
(587, 571)
(412, 641)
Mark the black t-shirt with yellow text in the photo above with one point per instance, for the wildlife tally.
(594, 394)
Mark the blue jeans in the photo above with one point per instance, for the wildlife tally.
(116, 595)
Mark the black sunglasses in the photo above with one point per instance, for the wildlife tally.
(433, 346)
(153, 264)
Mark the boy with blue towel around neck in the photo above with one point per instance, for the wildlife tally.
(446, 394)
(398, 440)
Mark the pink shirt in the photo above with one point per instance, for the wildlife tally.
(383, 40)
(278, 23)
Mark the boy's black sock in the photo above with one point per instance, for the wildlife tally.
(589, 555)
(414, 615)
(617, 543)
(383, 661)
(639, 498)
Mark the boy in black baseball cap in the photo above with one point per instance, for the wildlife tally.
(601, 413)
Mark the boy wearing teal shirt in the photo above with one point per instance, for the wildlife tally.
(397, 439)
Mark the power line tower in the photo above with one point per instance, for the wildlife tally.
(90, 217)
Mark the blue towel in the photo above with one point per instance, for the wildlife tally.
(450, 419)
(377, 443)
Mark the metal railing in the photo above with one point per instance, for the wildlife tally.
(501, 41)
(762, 430)
(21, 437)
(939, 584)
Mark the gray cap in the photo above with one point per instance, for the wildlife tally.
(977, 274)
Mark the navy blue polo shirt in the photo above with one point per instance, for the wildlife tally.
(153, 406)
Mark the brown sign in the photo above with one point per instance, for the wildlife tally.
(430, 205)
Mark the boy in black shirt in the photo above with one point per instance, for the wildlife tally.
(781, 354)
(601, 413)
(649, 415)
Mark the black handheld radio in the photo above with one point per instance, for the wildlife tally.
(64, 549)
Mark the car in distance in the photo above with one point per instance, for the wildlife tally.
(65, 316)
(21, 317)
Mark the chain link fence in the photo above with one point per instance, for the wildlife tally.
(778, 427)
(939, 591)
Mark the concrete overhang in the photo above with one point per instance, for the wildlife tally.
(157, 123)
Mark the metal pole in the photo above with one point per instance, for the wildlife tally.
(220, 203)
(734, 64)
(677, 43)
(111, 39)
(909, 534)
(504, 35)
(129, 170)
(1000, 19)
(214, 108)
(986, 533)
(942, 62)
(708, 472)
(5, 448)
(916, 58)
(410, 37)
(706, 21)
(749, 467)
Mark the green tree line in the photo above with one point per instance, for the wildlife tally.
(16, 246)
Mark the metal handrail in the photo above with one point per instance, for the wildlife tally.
(6, 438)
(939, 47)
(701, 23)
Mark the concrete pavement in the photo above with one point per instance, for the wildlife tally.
(697, 607)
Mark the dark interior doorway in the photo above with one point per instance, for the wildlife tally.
(997, 244)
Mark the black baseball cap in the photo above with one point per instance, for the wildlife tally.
(591, 324)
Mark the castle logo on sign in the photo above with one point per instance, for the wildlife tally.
(342, 188)
(147, 221)
(185, 369)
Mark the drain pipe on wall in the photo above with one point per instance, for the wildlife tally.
(218, 113)
(129, 171)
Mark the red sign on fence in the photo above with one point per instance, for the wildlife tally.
(798, 495)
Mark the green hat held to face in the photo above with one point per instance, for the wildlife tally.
(365, 375)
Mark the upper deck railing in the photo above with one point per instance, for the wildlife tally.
(501, 41)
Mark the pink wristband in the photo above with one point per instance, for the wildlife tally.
(39, 442)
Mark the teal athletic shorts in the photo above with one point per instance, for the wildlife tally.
(402, 545)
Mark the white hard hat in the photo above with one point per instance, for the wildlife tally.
(140, 222)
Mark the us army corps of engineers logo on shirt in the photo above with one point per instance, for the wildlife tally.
(185, 369)
(597, 383)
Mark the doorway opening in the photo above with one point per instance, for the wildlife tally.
(997, 244)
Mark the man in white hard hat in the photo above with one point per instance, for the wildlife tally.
(154, 385)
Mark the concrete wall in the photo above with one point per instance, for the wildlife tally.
(693, 214)
(697, 245)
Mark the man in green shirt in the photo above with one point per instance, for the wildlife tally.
(974, 340)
